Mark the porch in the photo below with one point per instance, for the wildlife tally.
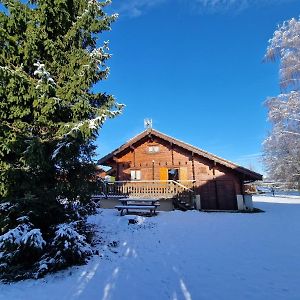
(177, 194)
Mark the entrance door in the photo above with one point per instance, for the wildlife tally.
(218, 194)
(208, 195)
(226, 195)
(173, 174)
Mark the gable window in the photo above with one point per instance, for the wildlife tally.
(153, 149)
(135, 174)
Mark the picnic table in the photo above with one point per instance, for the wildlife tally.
(136, 204)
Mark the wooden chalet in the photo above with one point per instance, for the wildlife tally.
(155, 165)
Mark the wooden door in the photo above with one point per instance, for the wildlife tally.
(226, 195)
(208, 194)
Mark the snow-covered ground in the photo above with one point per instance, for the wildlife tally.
(185, 255)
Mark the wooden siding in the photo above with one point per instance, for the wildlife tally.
(154, 135)
(216, 184)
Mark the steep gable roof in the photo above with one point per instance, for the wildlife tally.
(152, 132)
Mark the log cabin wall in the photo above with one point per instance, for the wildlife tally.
(191, 166)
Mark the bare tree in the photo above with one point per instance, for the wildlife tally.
(282, 146)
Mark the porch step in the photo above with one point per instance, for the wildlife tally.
(182, 205)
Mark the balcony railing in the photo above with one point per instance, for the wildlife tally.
(155, 189)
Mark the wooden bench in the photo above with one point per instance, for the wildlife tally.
(106, 196)
(151, 208)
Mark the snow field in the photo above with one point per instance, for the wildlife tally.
(184, 255)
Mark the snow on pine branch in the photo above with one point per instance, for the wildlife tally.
(92, 124)
(4, 206)
(58, 147)
(99, 5)
(95, 7)
(14, 236)
(95, 123)
(34, 239)
(66, 231)
(97, 59)
(43, 74)
(23, 235)
(100, 55)
(67, 238)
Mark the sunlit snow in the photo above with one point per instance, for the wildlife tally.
(184, 255)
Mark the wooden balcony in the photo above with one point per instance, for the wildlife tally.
(154, 189)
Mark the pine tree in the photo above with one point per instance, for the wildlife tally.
(50, 115)
(282, 147)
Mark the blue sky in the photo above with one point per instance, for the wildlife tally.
(196, 68)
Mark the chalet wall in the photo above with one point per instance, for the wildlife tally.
(214, 176)
(196, 167)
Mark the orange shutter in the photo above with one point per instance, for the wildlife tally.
(163, 174)
(183, 174)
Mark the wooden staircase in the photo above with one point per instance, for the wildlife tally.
(184, 201)
(182, 205)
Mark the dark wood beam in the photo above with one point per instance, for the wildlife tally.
(118, 171)
(133, 151)
(172, 152)
(193, 166)
(214, 168)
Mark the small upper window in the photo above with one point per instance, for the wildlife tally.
(153, 149)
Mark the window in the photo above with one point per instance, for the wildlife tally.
(153, 149)
(135, 174)
(173, 174)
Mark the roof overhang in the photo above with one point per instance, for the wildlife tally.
(112, 157)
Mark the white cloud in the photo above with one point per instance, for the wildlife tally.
(135, 8)
(212, 6)
(221, 5)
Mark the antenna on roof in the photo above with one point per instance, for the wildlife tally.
(148, 123)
